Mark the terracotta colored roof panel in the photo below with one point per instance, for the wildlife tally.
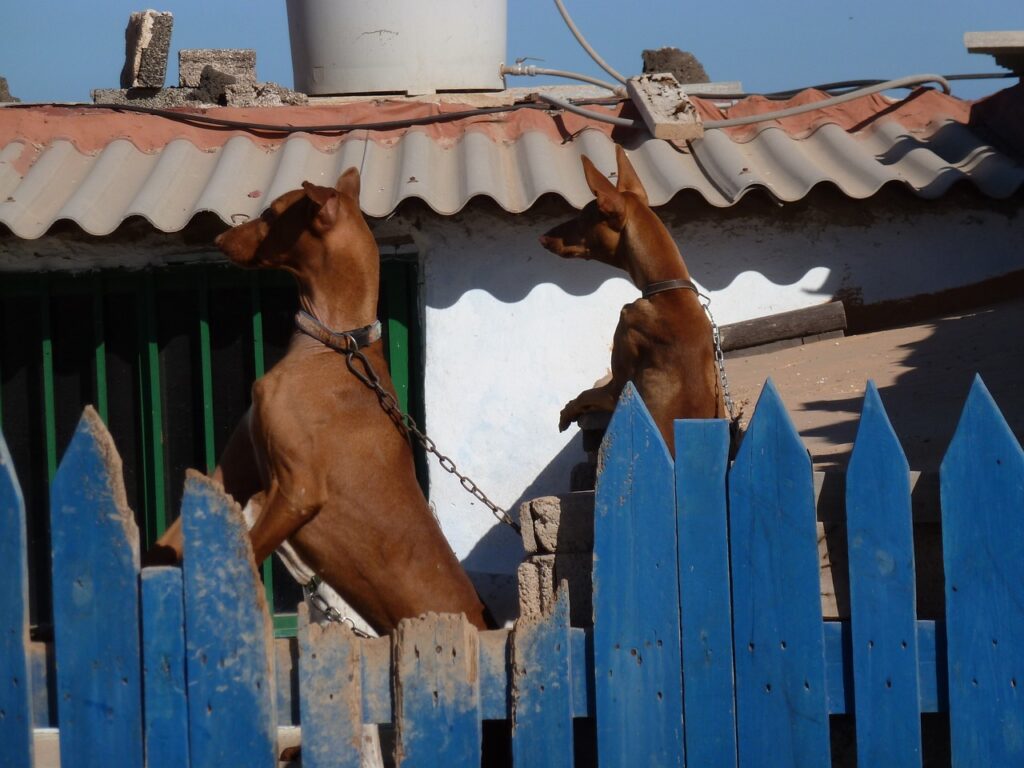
(98, 167)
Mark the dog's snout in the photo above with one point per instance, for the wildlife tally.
(545, 241)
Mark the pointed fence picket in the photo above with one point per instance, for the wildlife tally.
(708, 645)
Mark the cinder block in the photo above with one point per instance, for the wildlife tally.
(240, 63)
(561, 524)
(538, 577)
(147, 41)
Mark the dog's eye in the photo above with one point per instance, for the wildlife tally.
(268, 215)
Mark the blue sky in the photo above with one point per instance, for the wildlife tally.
(58, 51)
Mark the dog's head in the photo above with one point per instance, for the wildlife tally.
(299, 226)
(597, 231)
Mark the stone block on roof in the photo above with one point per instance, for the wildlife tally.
(239, 63)
(147, 41)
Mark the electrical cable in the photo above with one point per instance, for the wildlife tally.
(529, 70)
(844, 85)
(902, 82)
(385, 125)
(568, 106)
(586, 46)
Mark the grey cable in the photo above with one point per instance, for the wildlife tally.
(529, 70)
(901, 82)
(570, 107)
(586, 46)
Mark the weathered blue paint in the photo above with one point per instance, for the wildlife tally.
(96, 604)
(702, 457)
(637, 666)
(163, 664)
(229, 636)
(981, 482)
(330, 694)
(883, 610)
(15, 683)
(781, 705)
(542, 689)
(437, 691)
(582, 642)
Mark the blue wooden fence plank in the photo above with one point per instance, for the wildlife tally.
(95, 604)
(781, 704)
(495, 662)
(15, 682)
(982, 491)
(636, 595)
(163, 661)
(702, 457)
(229, 636)
(330, 694)
(542, 689)
(436, 694)
(883, 611)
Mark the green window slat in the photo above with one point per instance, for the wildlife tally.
(99, 337)
(49, 403)
(152, 417)
(206, 365)
(396, 290)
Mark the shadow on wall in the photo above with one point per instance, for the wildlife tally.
(485, 248)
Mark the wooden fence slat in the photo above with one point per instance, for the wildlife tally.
(637, 665)
(95, 559)
(702, 458)
(882, 594)
(781, 703)
(163, 663)
(981, 481)
(15, 682)
(229, 635)
(330, 694)
(436, 695)
(542, 689)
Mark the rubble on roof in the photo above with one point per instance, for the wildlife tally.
(5, 93)
(147, 39)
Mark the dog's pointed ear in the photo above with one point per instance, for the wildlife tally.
(628, 180)
(609, 201)
(348, 182)
(326, 200)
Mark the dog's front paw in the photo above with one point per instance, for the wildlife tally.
(569, 414)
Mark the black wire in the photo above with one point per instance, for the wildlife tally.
(845, 86)
(244, 125)
(207, 121)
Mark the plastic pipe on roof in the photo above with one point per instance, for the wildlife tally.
(529, 70)
(586, 46)
(568, 106)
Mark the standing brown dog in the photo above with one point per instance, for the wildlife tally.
(663, 341)
(336, 472)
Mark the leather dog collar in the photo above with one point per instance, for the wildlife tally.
(669, 285)
(341, 341)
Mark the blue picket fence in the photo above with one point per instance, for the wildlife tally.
(708, 646)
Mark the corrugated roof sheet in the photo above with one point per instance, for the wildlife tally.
(98, 167)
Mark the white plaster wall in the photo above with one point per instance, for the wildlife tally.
(512, 332)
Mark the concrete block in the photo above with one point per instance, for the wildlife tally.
(262, 95)
(240, 63)
(5, 93)
(558, 524)
(147, 41)
(538, 577)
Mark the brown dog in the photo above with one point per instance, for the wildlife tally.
(336, 471)
(663, 341)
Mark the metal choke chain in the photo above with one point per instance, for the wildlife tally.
(332, 614)
(370, 378)
(719, 355)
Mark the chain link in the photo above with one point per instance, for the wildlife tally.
(716, 335)
(332, 614)
(370, 378)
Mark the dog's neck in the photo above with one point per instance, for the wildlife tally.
(650, 254)
(341, 302)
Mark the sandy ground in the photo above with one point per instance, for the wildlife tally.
(923, 373)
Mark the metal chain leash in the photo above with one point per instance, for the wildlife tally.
(370, 378)
(332, 614)
(716, 335)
